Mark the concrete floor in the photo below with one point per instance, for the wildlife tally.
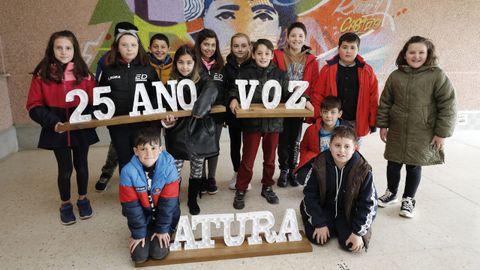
(445, 234)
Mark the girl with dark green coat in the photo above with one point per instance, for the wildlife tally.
(416, 113)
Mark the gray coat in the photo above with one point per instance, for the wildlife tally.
(415, 105)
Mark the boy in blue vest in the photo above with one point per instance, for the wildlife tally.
(149, 186)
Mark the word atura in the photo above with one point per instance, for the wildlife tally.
(262, 223)
(175, 98)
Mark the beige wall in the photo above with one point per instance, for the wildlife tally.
(26, 26)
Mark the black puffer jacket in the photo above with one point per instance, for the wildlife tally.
(192, 135)
(231, 70)
(216, 75)
(252, 72)
(122, 80)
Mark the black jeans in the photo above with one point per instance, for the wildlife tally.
(289, 143)
(412, 180)
(67, 158)
(122, 136)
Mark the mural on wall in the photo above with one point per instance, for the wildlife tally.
(326, 21)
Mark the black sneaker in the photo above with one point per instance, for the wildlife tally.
(239, 200)
(408, 207)
(283, 178)
(268, 194)
(66, 214)
(212, 186)
(84, 209)
(387, 199)
(292, 179)
(102, 183)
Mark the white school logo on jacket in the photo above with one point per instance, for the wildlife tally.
(141, 77)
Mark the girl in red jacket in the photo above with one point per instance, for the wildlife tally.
(300, 65)
(62, 70)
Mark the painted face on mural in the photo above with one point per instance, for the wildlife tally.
(256, 18)
(296, 40)
(416, 55)
(159, 49)
(128, 47)
(207, 48)
(240, 48)
(63, 50)
(348, 52)
(185, 65)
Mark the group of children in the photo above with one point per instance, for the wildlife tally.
(415, 115)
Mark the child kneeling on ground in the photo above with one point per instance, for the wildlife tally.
(340, 196)
(149, 186)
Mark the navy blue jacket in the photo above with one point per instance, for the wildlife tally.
(134, 196)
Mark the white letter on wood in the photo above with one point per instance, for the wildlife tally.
(205, 220)
(184, 234)
(289, 225)
(233, 241)
(277, 95)
(77, 115)
(181, 98)
(97, 100)
(258, 227)
(299, 87)
(141, 91)
(162, 91)
(246, 99)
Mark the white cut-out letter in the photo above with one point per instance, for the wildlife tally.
(261, 227)
(205, 220)
(290, 226)
(77, 115)
(184, 234)
(141, 92)
(246, 98)
(277, 95)
(97, 100)
(162, 91)
(299, 87)
(181, 97)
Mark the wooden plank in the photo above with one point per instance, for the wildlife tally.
(257, 110)
(223, 252)
(126, 119)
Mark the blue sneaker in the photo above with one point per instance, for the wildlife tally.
(66, 214)
(84, 209)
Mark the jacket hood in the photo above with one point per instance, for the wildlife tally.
(409, 69)
(358, 60)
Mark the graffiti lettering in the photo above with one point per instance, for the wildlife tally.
(360, 25)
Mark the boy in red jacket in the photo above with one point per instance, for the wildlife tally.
(350, 78)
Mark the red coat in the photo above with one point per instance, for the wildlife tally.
(47, 106)
(367, 104)
(310, 74)
(309, 147)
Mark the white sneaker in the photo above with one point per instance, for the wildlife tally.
(408, 207)
(233, 182)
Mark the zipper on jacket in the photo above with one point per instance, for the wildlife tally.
(338, 186)
(66, 112)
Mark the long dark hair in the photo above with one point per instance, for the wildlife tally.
(202, 35)
(114, 57)
(185, 50)
(50, 69)
(432, 58)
